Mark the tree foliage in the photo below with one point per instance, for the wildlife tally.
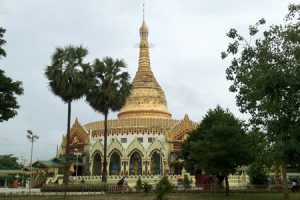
(163, 187)
(223, 144)
(294, 27)
(109, 86)
(67, 77)
(2, 42)
(262, 157)
(258, 174)
(138, 185)
(108, 89)
(147, 187)
(9, 162)
(265, 76)
(186, 182)
(9, 89)
(190, 164)
(67, 73)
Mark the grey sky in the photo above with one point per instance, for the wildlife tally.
(188, 37)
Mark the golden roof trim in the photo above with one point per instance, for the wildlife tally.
(179, 132)
(79, 132)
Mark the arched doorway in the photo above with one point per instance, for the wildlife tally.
(135, 167)
(115, 164)
(97, 165)
(156, 163)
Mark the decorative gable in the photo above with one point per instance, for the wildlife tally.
(78, 134)
(156, 145)
(135, 145)
(97, 147)
(115, 145)
(179, 132)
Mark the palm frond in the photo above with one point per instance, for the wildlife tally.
(109, 85)
(67, 73)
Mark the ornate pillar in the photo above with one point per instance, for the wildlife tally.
(121, 167)
(91, 167)
(126, 169)
(146, 167)
(144, 163)
(107, 166)
(128, 166)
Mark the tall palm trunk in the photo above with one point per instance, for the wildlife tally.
(104, 173)
(67, 165)
(284, 182)
(277, 177)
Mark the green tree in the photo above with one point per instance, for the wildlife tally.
(258, 174)
(9, 162)
(293, 29)
(265, 76)
(186, 182)
(223, 146)
(139, 184)
(163, 187)
(147, 187)
(262, 157)
(8, 89)
(109, 88)
(2, 42)
(67, 79)
(190, 164)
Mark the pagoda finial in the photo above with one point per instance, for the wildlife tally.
(146, 92)
(143, 29)
(144, 60)
(143, 11)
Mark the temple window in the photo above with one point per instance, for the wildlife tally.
(123, 140)
(140, 139)
(150, 140)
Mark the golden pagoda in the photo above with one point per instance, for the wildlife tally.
(147, 99)
(144, 140)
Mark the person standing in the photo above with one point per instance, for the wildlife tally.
(294, 186)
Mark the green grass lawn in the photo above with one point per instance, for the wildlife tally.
(186, 196)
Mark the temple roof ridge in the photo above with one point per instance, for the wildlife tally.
(180, 130)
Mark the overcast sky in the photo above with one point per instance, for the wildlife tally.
(187, 37)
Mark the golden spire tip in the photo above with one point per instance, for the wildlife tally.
(143, 11)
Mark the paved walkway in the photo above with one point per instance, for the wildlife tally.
(37, 192)
(18, 190)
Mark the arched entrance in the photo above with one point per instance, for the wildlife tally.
(115, 164)
(156, 164)
(135, 167)
(97, 164)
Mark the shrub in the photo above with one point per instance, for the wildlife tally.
(163, 187)
(138, 185)
(258, 174)
(121, 182)
(186, 182)
(146, 187)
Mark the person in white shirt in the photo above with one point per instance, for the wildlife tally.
(294, 186)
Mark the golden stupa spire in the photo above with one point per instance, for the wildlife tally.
(144, 73)
(143, 11)
(147, 99)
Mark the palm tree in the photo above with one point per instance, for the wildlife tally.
(67, 79)
(109, 88)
